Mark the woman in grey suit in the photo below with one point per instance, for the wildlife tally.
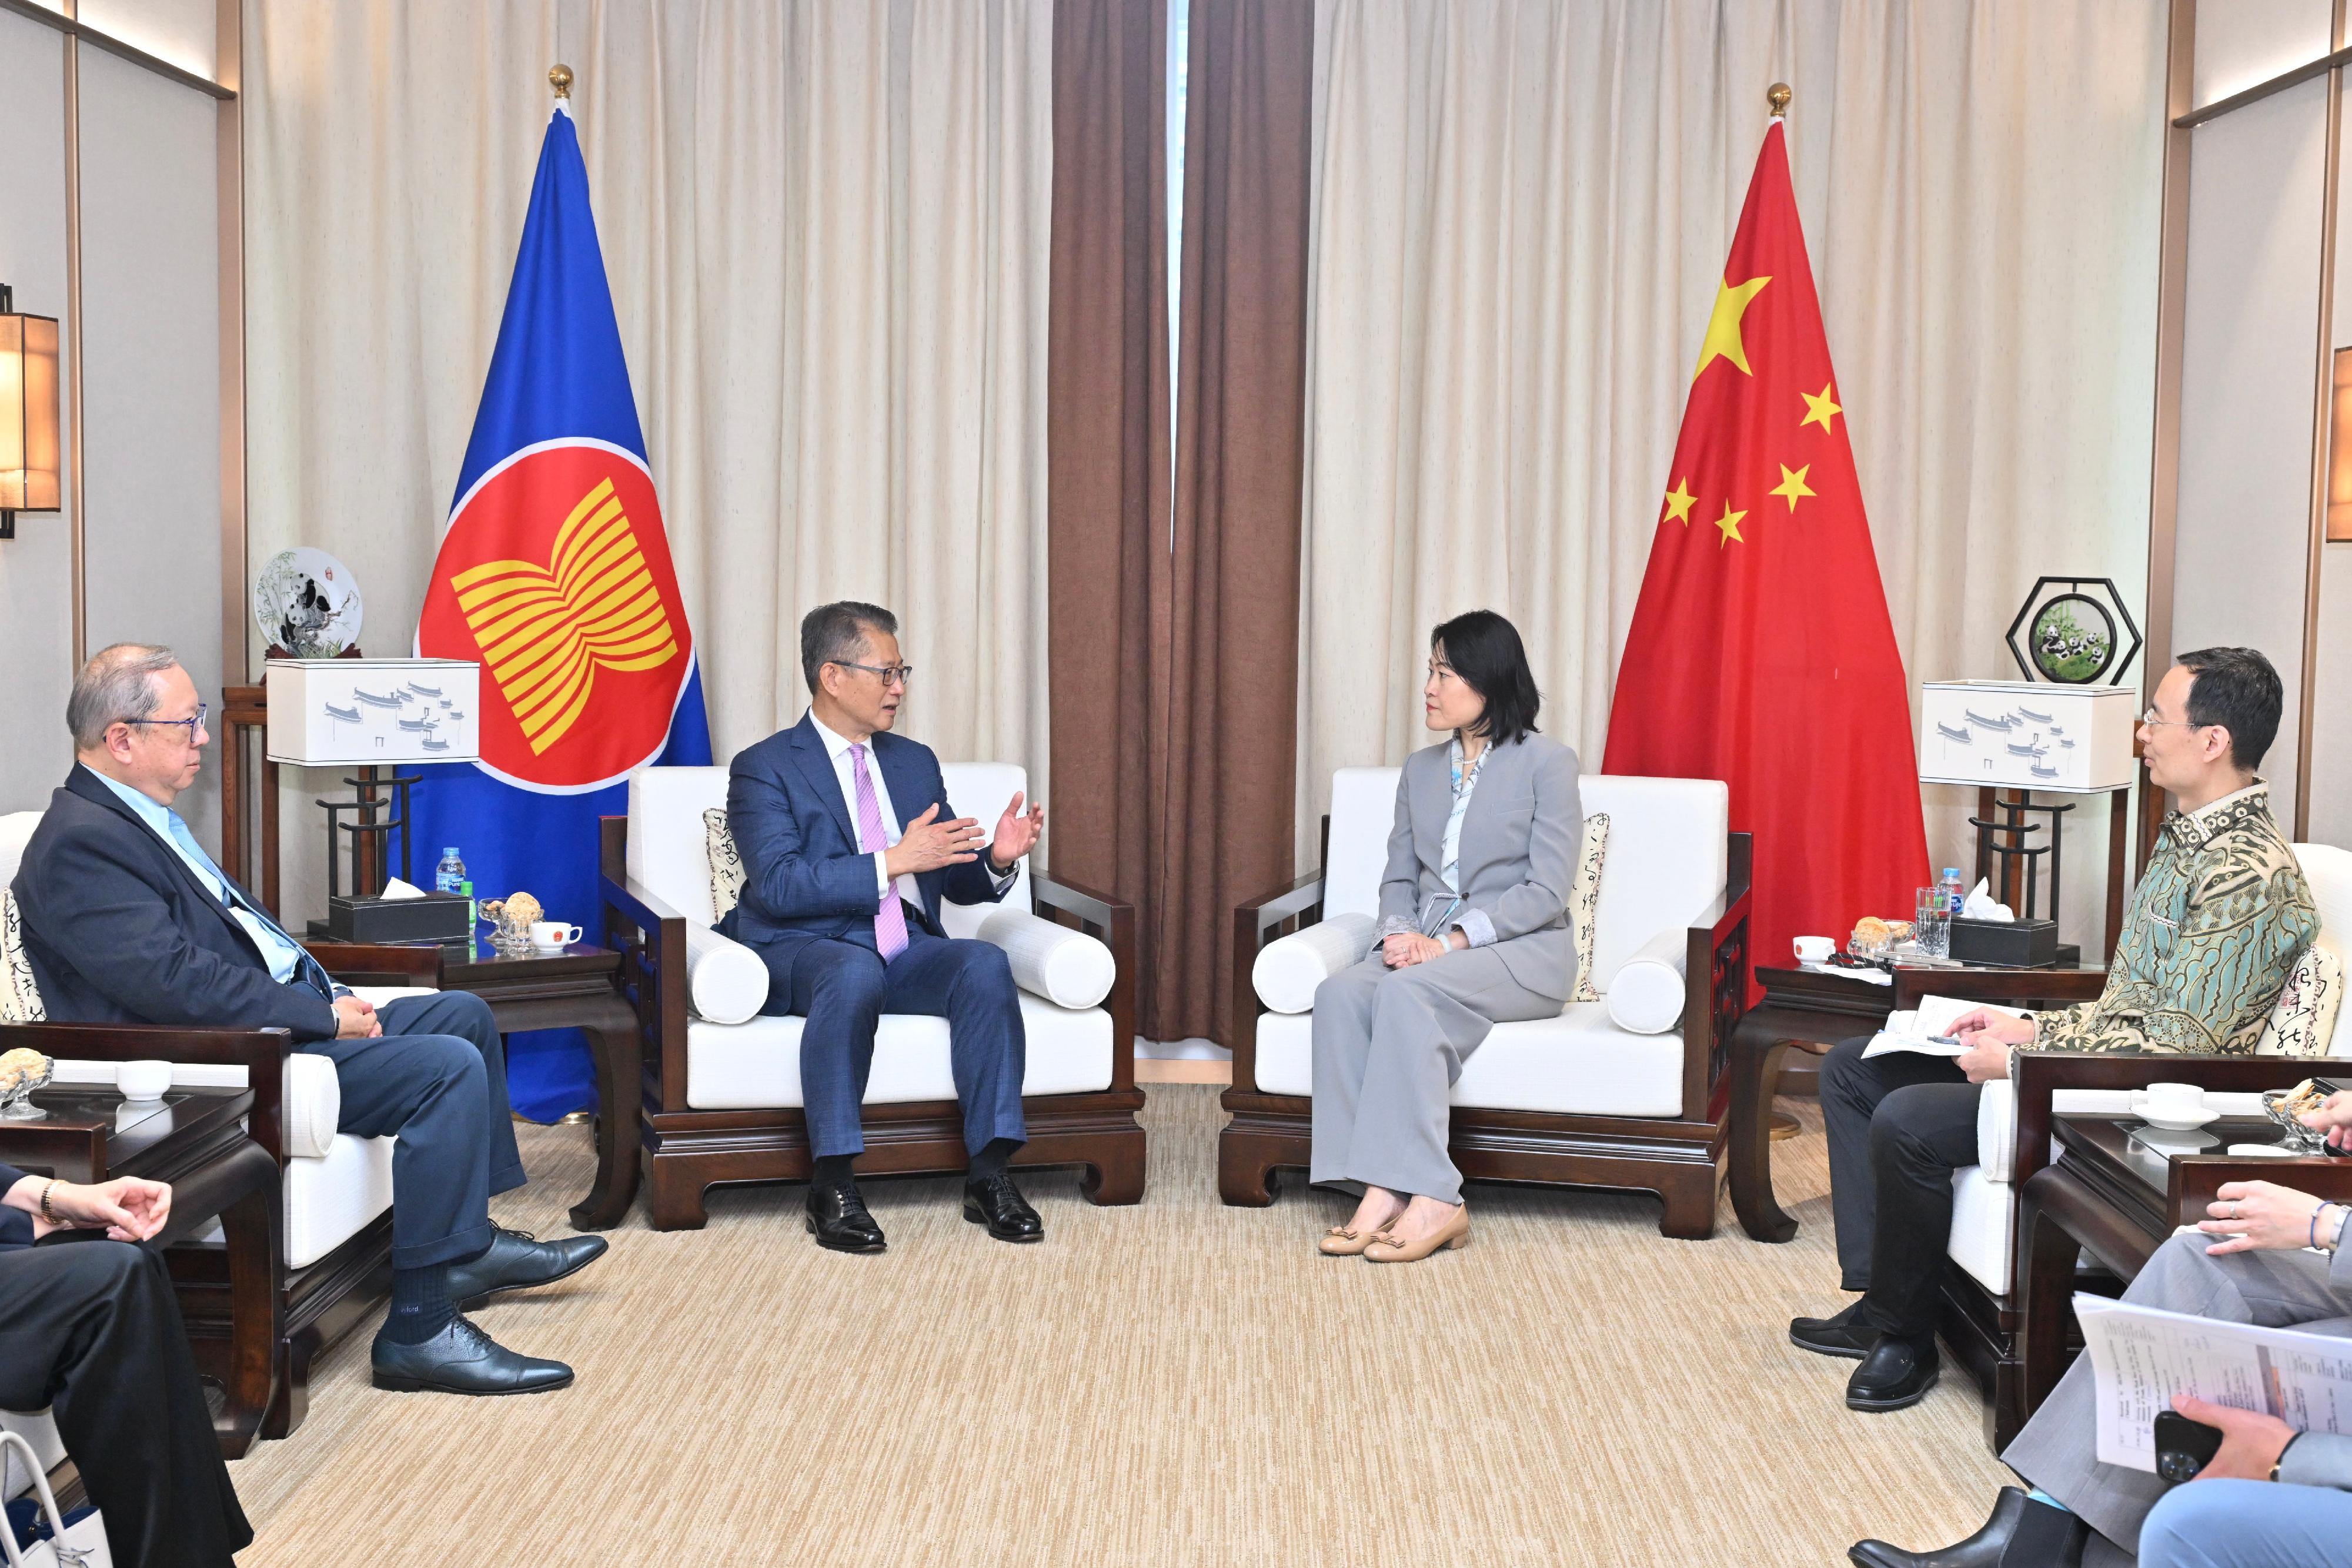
(1473, 932)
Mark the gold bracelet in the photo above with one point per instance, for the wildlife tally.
(47, 1212)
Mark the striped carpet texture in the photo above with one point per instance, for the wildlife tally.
(1174, 1383)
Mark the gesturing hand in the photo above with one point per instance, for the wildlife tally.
(928, 843)
(1016, 835)
(2251, 1440)
(355, 1018)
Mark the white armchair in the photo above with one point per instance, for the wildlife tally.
(722, 1087)
(1625, 1092)
(336, 1244)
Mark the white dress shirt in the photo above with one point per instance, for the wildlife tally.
(844, 769)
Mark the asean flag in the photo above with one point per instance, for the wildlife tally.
(1761, 653)
(555, 576)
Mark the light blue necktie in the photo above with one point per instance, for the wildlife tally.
(303, 962)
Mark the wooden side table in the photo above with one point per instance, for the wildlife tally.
(2120, 1202)
(195, 1139)
(579, 987)
(1808, 1010)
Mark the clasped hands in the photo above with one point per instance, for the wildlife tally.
(130, 1209)
(1403, 949)
(929, 844)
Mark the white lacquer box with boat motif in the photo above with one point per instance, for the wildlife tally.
(2026, 735)
(340, 713)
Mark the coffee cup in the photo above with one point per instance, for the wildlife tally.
(1815, 949)
(553, 934)
(143, 1080)
(2173, 1101)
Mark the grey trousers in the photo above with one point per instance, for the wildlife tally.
(1388, 1044)
(2275, 1289)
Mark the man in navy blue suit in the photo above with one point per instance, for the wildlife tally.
(848, 844)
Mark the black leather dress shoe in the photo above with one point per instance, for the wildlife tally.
(462, 1359)
(1894, 1375)
(838, 1219)
(2021, 1533)
(995, 1202)
(517, 1262)
(1844, 1334)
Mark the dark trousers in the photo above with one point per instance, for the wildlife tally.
(436, 1079)
(842, 987)
(1898, 1125)
(89, 1329)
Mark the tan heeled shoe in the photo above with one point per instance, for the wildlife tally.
(1341, 1242)
(1452, 1236)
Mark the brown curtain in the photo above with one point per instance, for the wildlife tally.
(1106, 440)
(1224, 734)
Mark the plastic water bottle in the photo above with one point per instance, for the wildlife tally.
(1954, 897)
(449, 872)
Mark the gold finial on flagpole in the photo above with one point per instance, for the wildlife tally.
(559, 79)
(1778, 97)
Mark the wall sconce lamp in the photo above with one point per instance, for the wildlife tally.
(28, 413)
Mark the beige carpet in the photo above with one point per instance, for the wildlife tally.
(1173, 1383)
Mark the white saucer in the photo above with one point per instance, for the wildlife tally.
(2177, 1124)
(559, 948)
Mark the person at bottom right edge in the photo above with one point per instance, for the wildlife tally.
(2271, 1498)
(2220, 918)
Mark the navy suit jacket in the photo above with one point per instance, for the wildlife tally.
(119, 930)
(805, 878)
(15, 1225)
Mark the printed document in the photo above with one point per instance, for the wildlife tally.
(1917, 1030)
(2142, 1357)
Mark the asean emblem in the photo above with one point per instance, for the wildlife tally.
(555, 575)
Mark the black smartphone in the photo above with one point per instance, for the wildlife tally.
(2183, 1446)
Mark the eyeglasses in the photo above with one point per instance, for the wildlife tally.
(892, 674)
(191, 724)
(2152, 722)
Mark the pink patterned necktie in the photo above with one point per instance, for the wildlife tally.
(890, 920)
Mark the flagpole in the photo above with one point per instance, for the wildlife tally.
(559, 79)
(1778, 96)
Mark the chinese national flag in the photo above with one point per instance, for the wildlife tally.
(1761, 653)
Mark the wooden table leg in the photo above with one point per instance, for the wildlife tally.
(612, 1030)
(2046, 1252)
(1754, 1064)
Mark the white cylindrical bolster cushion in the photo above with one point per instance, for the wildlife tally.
(1289, 969)
(312, 1105)
(725, 982)
(1646, 996)
(1068, 969)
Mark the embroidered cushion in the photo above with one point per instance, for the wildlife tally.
(1584, 902)
(2304, 1021)
(20, 995)
(726, 866)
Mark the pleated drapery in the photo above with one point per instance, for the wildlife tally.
(826, 230)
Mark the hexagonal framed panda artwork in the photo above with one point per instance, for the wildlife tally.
(2066, 633)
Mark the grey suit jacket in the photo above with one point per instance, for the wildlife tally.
(1520, 839)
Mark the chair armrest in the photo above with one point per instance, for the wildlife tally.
(1068, 969)
(262, 1052)
(1287, 969)
(380, 963)
(2040, 1074)
(1715, 982)
(1299, 900)
(1110, 921)
(2013, 987)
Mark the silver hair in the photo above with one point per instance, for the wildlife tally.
(116, 684)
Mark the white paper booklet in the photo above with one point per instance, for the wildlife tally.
(2142, 1357)
(1916, 1030)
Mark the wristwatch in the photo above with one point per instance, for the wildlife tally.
(2281, 1457)
(50, 1214)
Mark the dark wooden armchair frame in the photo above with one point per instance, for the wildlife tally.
(1989, 1331)
(309, 1308)
(1681, 1160)
(688, 1151)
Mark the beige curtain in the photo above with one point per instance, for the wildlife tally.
(825, 228)
(1521, 211)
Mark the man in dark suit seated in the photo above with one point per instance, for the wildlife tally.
(127, 920)
(842, 903)
(92, 1333)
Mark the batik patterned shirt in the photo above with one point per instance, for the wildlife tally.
(2220, 918)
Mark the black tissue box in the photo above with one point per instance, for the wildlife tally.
(2013, 945)
(433, 917)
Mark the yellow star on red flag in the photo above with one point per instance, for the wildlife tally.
(1819, 408)
(1792, 485)
(1723, 340)
(1678, 504)
(1729, 524)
